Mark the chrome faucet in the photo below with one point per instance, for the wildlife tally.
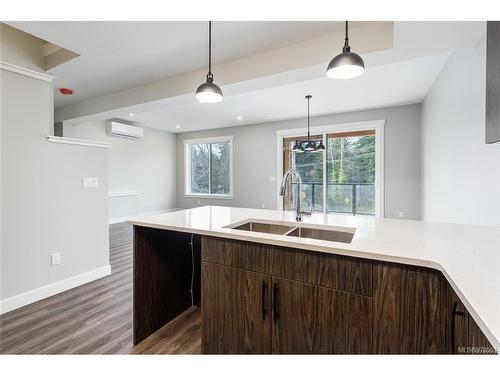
(293, 173)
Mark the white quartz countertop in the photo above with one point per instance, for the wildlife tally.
(467, 255)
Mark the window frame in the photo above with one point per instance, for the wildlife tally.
(187, 167)
(375, 125)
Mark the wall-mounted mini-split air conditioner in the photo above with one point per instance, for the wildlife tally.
(119, 129)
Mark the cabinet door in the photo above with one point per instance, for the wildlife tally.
(478, 343)
(358, 323)
(409, 310)
(235, 311)
(307, 319)
(457, 319)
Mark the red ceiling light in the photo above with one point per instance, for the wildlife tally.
(65, 91)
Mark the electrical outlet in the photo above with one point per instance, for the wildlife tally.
(199, 203)
(55, 259)
(263, 205)
(90, 182)
(401, 214)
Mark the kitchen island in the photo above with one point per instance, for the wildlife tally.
(383, 286)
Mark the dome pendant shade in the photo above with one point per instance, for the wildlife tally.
(321, 147)
(347, 64)
(297, 147)
(209, 92)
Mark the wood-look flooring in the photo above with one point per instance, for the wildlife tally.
(95, 318)
(180, 336)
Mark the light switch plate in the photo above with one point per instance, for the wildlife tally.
(90, 182)
(55, 259)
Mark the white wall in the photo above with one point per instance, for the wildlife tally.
(255, 159)
(460, 173)
(43, 206)
(146, 165)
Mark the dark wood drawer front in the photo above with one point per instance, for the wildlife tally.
(357, 276)
(245, 255)
(331, 271)
(307, 267)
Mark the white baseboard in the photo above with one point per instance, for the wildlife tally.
(34, 295)
(125, 218)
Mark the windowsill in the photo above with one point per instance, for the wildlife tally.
(209, 196)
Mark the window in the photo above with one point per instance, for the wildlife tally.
(346, 178)
(208, 169)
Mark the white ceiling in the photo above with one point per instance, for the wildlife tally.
(129, 54)
(121, 55)
(386, 85)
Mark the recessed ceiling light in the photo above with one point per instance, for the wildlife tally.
(131, 114)
(178, 126)
(239, 118)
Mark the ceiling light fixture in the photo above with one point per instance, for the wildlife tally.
(309, 145)
(209, 92)
(347, 64)
(239, 118)
(65, 91)
(178, 126)
(131, 114)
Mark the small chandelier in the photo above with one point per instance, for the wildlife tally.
(309, 145)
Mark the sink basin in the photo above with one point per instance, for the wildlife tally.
(253, 226)
(334, 234)
(322, 234)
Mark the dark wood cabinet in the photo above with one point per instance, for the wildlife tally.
(493, 82)
(358, 323)
(457, 325)
(307, 319)
(463, 334)
(236, 311)
(307, 310)
(409, 310)
(325, 303)
(478, 343)
(163, 267)
(258, 298)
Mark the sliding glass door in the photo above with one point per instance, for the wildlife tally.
(310, 166)
(340, 180)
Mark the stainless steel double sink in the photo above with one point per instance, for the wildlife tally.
(303, 230)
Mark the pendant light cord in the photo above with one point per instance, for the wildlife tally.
(346, 48)
(308, 134)
(210, 48)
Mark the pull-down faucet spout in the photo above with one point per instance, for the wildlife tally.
(292, 173)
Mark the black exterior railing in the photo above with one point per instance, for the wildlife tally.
(349, 198)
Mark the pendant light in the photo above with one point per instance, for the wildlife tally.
(209, 92)
(347, 64)
(309, 146)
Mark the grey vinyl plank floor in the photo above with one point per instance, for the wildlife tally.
(95, 318)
